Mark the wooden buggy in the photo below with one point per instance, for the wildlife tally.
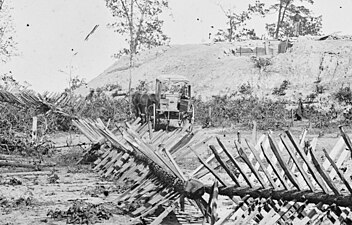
(174, 94)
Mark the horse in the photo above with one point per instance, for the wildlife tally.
(143, 105)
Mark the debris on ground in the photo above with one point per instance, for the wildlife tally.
(82, 213)
(53, 178)
(12, 181)
(12, 203)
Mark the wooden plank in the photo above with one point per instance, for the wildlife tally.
(205, 172)
(281, 213)
(173, 162)
(223, 164)
(262, 166)
(311, 168)
(323, 173)
(298, 165)
(337, 149)
(339, 173)
(275, 169)
(288, 173)
(233, 160)
(249, 164)
(209, 168)
(251, 156)
(166, 212)
(346, 138)
(145, 210)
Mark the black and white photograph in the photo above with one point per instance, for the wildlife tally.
(175, 112)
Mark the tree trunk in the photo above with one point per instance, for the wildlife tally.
(231, 29)
(131, 57)
(278, 21)
(284, 12)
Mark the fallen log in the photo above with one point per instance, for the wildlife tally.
(284, 195)
(15, 164)
(31, 173)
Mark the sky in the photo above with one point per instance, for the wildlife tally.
(50, 34)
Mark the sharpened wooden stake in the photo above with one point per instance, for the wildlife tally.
(283, 165)
(311, 169)
(338, 171)
(233, 160)
(209, 168)
(346, 139)
(266, 172)
(223, 164)
(173, 162)
(323, 174)
(299, 166)
(251, 167)
(275, 168)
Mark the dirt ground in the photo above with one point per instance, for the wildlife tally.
(26, 196)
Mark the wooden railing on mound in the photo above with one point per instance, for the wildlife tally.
(276, 181)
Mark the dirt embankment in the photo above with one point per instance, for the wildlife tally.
(219, 68)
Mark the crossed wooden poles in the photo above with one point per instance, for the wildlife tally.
(148, 166)
(303, 191)
(276, 181)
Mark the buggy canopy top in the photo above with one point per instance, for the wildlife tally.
(172, 78)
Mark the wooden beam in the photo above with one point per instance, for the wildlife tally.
(284, 195)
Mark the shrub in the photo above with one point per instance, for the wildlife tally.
(261, 62)
(246, 89)
(344, 95)
(143, 86)
(281, 90)
(226, 110)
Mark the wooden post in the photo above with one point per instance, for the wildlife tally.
(150, 130)
(254, 132)
(34, 129)
(209, 116)
(266, 47)
(256, 51)
(154, 116)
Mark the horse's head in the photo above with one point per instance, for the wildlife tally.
(153, 99)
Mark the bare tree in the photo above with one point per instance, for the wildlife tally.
(140, 20)
(234, 20)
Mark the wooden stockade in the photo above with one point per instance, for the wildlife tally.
(279, 180)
